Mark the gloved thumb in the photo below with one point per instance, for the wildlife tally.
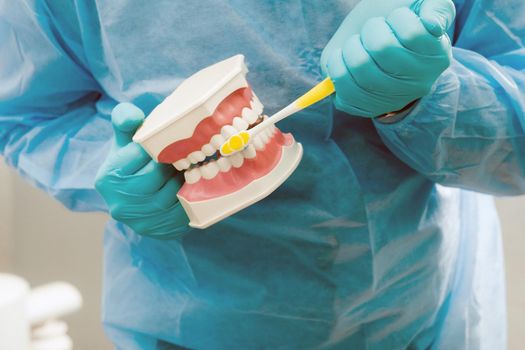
(437, 15)
(126, 119)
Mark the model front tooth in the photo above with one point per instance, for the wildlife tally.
(192, 159)
(271, 132)
(192, 175)
(208, 150)
(249, 152)
(249, 115)
(264, 137)
(224, 164)
(217, 141)
(182, 164)
(258, 142)
(209, 170)
(236, 160)
(240, 124)
(227, 131)
(197, 156)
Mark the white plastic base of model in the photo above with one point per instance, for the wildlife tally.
(203, 214)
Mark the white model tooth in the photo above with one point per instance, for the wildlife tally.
(209, 170)
(208, 150)
(227, 131)
(256, 105)
(258, 142)
(240, 124)
(269, 131)
(236, 159)
(249, 115)
(217, 141)
(192, 175)
(197, 156)
(264, 137)
(224, 164)
(182, 164)
(249, 152)
(192, 159)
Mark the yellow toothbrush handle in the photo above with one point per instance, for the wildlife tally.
(316, 94)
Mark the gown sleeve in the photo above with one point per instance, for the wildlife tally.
(54, 124)
(470, 131)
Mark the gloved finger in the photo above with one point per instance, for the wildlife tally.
(128, 159)
(134, 205)
(165, 197)
(437, 15)
(368, 75)
(126, 119)
(167, 224)
(348, 91)
(385, 49)
(150, 178)
(412, 34)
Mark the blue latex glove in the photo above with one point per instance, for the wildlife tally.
(386, 55)
(138, 191)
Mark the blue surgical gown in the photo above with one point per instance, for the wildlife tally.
(386, 236)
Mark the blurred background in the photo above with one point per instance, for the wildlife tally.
(43, 242)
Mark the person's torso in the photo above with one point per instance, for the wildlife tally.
(341, 254)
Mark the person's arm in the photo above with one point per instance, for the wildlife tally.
(52, 130)
(469, 132)
(55, 129)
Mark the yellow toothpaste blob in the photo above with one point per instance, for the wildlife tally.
(226, 149)
(245, 136)
(235, 143)
(316, 94)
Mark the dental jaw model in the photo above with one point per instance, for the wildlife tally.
(188, 128)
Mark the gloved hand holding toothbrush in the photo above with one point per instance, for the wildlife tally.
(384, 56)
(387, 54)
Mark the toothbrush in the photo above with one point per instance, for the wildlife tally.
(241, 140)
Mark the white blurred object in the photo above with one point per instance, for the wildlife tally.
(21, 309)
(14, 329)
(50, 329)
(56, 343)
(52, 301)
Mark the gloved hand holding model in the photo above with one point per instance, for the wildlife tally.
(138, 191)
(390, 61)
